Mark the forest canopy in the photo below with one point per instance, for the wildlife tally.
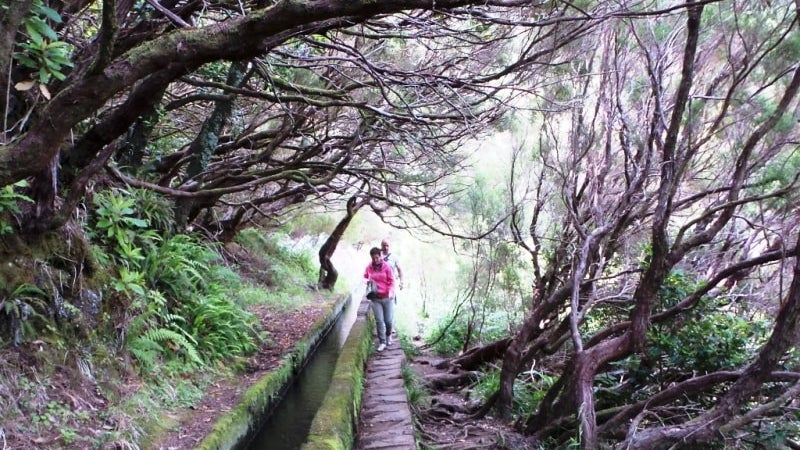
(652, 190)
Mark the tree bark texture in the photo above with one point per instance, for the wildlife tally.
(327, 272)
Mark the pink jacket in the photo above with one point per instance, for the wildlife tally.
(382, 277)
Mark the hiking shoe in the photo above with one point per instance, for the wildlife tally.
(381, 347)
(389, 341)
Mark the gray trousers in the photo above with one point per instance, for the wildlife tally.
(383, 308)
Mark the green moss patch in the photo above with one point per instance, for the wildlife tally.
(334, 425)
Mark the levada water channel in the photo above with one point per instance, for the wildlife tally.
(287, 426)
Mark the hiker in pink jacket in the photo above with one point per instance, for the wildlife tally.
(380, 272)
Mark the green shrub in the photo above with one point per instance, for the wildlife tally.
(771, 432)
(715, 341)
(311, 224)
(447, 336)
(287, 270)
(529, 389)
(711, 338)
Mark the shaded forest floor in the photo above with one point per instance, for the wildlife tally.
(81, 413)
(443, 422)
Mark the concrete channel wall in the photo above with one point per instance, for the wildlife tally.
(335, 424)
(233, 430)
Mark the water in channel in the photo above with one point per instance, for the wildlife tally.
(287, 427)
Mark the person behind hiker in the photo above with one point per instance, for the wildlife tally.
(380, 272)
(394, 263)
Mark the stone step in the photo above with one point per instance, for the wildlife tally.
(385, 420)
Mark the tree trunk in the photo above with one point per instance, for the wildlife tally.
(327, 272)
(477, 357)
(131, 151)
(203, 146)
(517, 353)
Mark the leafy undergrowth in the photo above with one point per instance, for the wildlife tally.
(51, 399)
(156, 355)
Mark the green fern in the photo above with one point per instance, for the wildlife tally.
(223, 329)
(180, 267)
(187, 295)
(152, 340)
(146, 352)
(9, 200)
(155, 209)
(26, 304)
(153, 325)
